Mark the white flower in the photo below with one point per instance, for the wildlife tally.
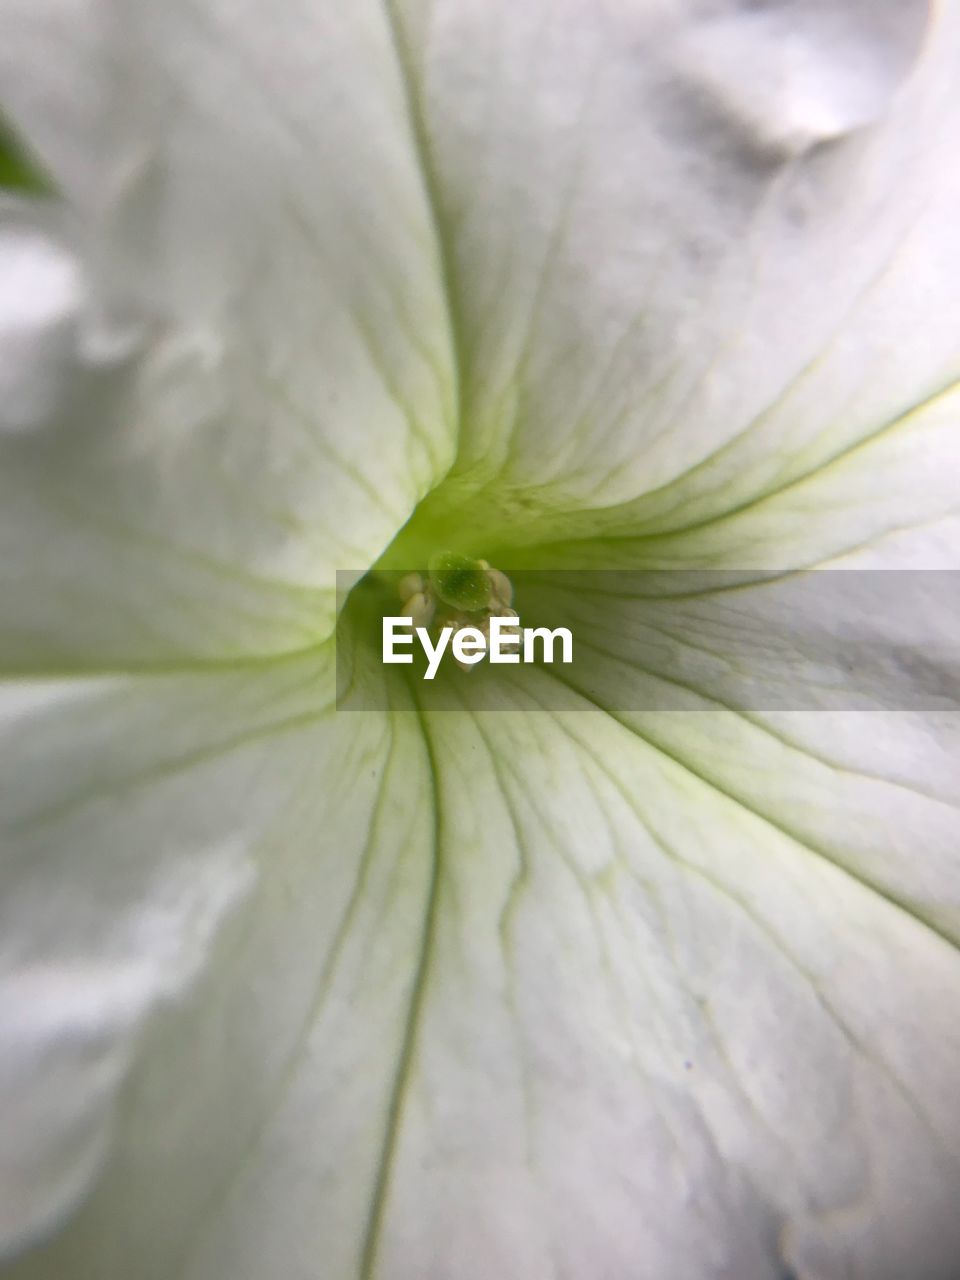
(656, 989)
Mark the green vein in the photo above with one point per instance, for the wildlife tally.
(892, 899)
(431, 190)
(394, 1118)
(327, 969)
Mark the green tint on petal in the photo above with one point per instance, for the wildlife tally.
(704, 257)
(17, 171)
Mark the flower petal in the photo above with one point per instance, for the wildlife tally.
(542, 983)
(193, 927)
(699, 253)
(259, 383)
(707, 1048)
(593, 989)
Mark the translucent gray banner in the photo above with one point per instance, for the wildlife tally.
(800, 640)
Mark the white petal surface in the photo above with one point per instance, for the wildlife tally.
(573, 989)
(699, 253)
(738, 1005)
(601, 1005)
(213, 888)
(255, 363)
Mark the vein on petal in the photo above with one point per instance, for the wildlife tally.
(404, 1066)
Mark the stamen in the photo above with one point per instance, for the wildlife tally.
(457, 592)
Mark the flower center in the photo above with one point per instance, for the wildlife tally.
(458, 592)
